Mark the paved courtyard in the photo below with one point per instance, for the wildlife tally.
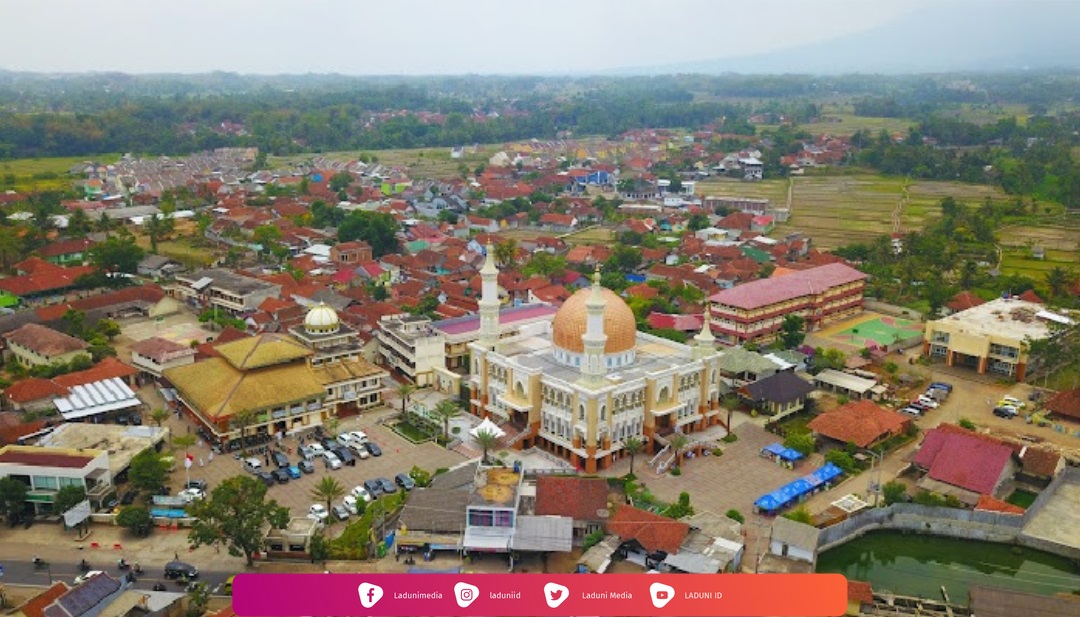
(1059, 519)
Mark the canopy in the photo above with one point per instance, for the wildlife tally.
(773, 448)
(795, 489)
(487, 426)
(787, 454)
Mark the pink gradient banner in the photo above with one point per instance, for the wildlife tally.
(527, 595)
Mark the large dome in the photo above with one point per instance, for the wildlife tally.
(321, 319)
(619, 324)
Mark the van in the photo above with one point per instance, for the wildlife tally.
(252, 465)
(331, 460)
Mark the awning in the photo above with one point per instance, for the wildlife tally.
(487, 426)
(482, 542)
(543, 533)
(95, 398)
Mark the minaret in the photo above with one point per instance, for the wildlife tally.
(489, 301)
(703, 341)
(594, 340)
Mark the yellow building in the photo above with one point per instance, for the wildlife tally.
(583, 384)
(35, 345)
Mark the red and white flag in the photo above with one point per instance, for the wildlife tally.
(188, 460)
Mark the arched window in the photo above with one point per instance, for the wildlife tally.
(581, 411)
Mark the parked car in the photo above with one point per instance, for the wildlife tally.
(176, 569)
(191, 494)
(317, 512)
(199, 484)
(362, 493)
(373, 448)
(351, 504)
(404, 481)
(310, 451)
(281, 475)
(266, 478)
(942, 385)
(136, 419)
(359, 450)
(253, 465)
(331, 460)
(128, 497)
(328, 443)
(341, 513)
(294, 471)
(346, 456)
(1006, 412)
(929, 402)
(912, 411)
(387, 486)
(280, 459)
(374, 488)
(356, 437)
(1012, 401)
(306, 466)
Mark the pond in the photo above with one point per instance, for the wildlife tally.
(918, 565)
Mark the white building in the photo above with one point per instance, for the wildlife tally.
(409, 344)
(155, 354)
(47, 470)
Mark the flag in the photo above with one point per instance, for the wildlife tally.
(188, 459)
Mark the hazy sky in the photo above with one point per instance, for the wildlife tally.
(365, 37)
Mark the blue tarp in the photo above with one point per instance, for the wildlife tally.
(792, 491)
(773, 448)
(769, 502)
(790, 455)
(167, 513)
(828, 472)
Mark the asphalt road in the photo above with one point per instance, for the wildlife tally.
(24, 573)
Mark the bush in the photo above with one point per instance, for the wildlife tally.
(926, 498)
(420, 476)
(717, 452)
(894, 492)
(735, 515)
(592, 540)
(730, 438)
(802, 442)
(843, 460)
(675, 471)
(965, 423)
(800, 515)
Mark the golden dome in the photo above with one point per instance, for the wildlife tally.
(321, 319)
(619, 324)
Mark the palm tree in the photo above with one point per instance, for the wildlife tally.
(405, 390)
(159, 415)
(183, 442)
(446, 409)
(487, 440)
(328, 489)
(678, 441)
(155, 228)
(730, 403)
(1059, 280)
(242, 420)
(633, 446)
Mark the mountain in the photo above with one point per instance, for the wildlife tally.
(949, 36)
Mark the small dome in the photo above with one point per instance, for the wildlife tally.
(321, 319)
(570, 322)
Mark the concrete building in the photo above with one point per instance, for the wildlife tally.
(589, 380)
(46, 470)
(754, 311)
(410, 345)
(991, 337)
(36, 345)
(154, 355)
(224, 289)
(351, 253)
(123, 443)
(460, 331)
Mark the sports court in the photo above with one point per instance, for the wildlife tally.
(180, 328)
(870, 330)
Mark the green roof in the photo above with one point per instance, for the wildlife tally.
(739, 360)
(757, 255)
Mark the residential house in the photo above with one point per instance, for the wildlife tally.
(351, 253)
(792, 541)
(1065, 404)
(646, 538)
(67, 252)
(1039, 466)
(558, 223)
(778, 395)
(583, 499)
(44, 282)
(739, 367)
(36, 345)
(158, 267)
(223, 289)
(962, 463)
(861, 423)
(156, 355)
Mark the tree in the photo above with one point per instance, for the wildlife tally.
(68, 497)
(117, 254)
(543, 263)
(623, 258)
(678, 442)
(235, 514)
(405, 390)
(198, 600)
(74, 323)
(735, 515)
(800, 515)
(340, 181)
(894, 492)
(148, 471)
(802, 442)
(12, 498)
(135, 518)
(697, 222)
(108, 328)
(157, 227)
(730, 403)
(159, 415)
(240, 421)
(79, 224)
(329, 490)
(633, 446)
(319, 548)
(792, 331)
(267, 237)
(379, 229)
(446, 410)
(1058, 280)
(506, 252)
(487, 440)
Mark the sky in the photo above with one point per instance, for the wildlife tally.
(414, 37)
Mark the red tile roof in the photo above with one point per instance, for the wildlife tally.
(858, 591)
(35, 607)
(44, 281)
(683, 323)
(34, 389)
(106, 369)
(652, 531)
(1031, 296)
(1065, 403)
(765, 292)
(13, 428)
(44, 459)
(149, 294)
(962, 458)
(45, 341)
(160, 349)
(859, 422)
(67, 247)
(963, 301)
(582, 499)
(36, 265)
(990, 504)
(1039, 461)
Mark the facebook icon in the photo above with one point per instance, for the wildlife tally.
(369, 594)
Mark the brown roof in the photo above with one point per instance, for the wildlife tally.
(45, 341)
(149, 294)
(35, 607)
(859, 422)
(106, 369)
(991, 504)
(1039, 461)
(43, 459)
(963, 301)
(67, 247)
(158, 349)
(33, 389)
(652, 531)
(858, 591)
(13, 428)
(45, 281)
(1065, 403)
(997, 602)
(582, 499)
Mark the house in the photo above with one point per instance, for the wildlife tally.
(646, 537)
(89, 599)
(962, 463)
(158, 267)
(963, 301)
(793, 541)
(434, 517)
(36, 345)
(860, 598)
(66, 252)
(862, 423)
(32, 394)
(582, 499)
(154, 355)
(851, 386)
(778, 395)
(1039, 466)
(223, 289)
(351, 253)
(49, 468)
(44, 282)
(558, 223)
(1065, 404)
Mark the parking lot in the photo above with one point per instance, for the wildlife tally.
(398, 456)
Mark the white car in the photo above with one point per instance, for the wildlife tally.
(350, 504)
(929, 402)
(1012, 401)
(191, 494)
(359, 450)
(361, 493)
(357, 436)
(82, 578)
(317, 512)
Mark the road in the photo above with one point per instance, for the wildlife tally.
(24, 573)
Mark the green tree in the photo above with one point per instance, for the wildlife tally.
(792, 331)
(148, 471)
(800, 515)
(340, 181)
(135, 518)
(623, 258)
(12, 497)
(327, 490)
(697, 222)
(487, 440)
(735, 515)
(446, 410)
(843, 460)
(68, 497)
(378, 229)
(158, 226)
(236, 514)
(506, 252)
(319, 548)
(802, 442)
(116, 254)
(74, 323)
(159, 415)
(894, 492)
(108, 328)
(198, 599)
(730, 402)
(79, 224)
(678, 443)
(267, 237)
(543, 263)
(1058, 281)
(405, 390)
(633, 446)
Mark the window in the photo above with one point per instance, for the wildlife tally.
(45, 482)
(481, 518)
(504, 518)
(71, 482)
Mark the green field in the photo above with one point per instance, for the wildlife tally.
(44, 174)
(1058, 237)
(422, 163)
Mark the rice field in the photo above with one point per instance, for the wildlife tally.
(44, 174)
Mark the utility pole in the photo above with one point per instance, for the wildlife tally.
(875, 487)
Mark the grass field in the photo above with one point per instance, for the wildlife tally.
(595, 235)
(1059, 237)
(422, 162)
(181, 250)
(45, 174)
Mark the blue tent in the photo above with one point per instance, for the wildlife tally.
(828, 472)
(774, 448)
(769, 503)
(788, 454)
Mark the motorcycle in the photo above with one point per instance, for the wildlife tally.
(39, 563)
(84, 566)
(159, 586)
(122, 565)
(137, 569)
